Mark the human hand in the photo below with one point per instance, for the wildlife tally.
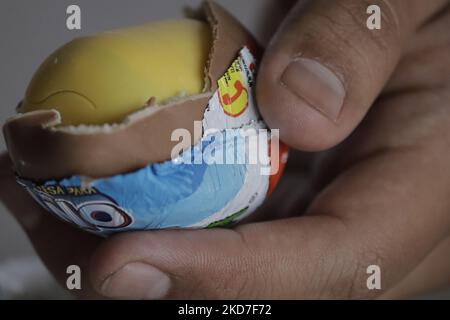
(380, 197)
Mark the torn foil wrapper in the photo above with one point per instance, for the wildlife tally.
(184, 192)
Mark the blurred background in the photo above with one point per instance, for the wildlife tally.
(29, 32)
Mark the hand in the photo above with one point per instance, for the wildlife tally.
(380, 197)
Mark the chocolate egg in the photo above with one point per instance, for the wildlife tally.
(111, 161)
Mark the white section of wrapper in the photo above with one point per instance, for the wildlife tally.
(254, 189)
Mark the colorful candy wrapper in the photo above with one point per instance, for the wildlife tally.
(214, 183)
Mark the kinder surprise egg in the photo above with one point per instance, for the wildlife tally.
(150, 127)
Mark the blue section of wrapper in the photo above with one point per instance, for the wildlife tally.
(177, 193)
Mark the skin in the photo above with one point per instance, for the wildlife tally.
(376, 188)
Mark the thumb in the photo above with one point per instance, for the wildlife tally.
(324, 67)
(259, 260)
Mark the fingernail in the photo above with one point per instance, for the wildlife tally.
(137, 280)
(316, 85)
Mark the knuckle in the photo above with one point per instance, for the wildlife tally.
(358, 288)
(344, 269)
(383, 40)
(232, 277)
(331, 264)
(255, 274)
(233, 284)
(347, 278)
(223, 280)
(342, 273)
(342, 31)
(365, 257)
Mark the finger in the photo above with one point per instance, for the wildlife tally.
(58, 244)
(258, 260)
(324, 67)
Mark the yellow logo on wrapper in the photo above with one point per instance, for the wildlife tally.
(232, 90)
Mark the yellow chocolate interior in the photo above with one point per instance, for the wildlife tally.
(102, 78)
